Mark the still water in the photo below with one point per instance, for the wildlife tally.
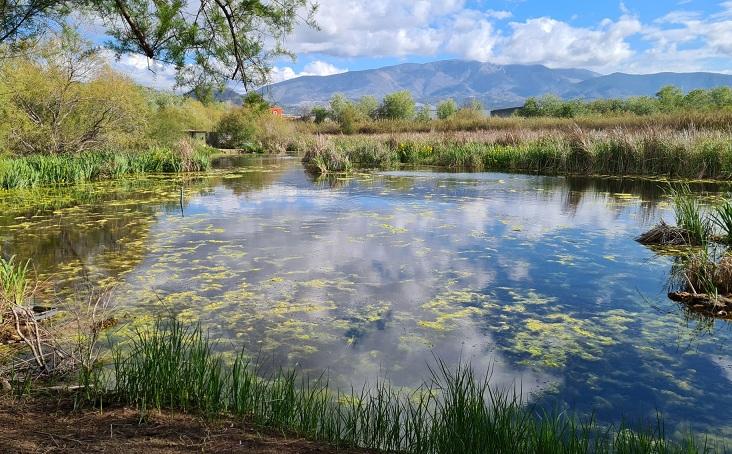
(536, 279)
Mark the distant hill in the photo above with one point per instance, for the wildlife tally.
(496, 86)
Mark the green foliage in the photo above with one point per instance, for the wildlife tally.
(423, 114)
(63, 99)
(209, 43)
(23, 20)
(446, 109)
(398, 106)
(174, 366)
(169, 116)
(669, 100)
(237, 128)
(43, 170)
(722, 218)
(368, 106)
(14, 283)
(348, 117)
(338, 103)
(320, 114)
(690, 215)
(255, 102)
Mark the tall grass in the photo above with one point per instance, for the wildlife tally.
(46, 170)
(14, 283)
(690, 153)
(718, 120)
(174, 366)
(722, 218)
(690, 215)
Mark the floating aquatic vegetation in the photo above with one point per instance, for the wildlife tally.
(452, 307)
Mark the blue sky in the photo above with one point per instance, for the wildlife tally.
(636, 36)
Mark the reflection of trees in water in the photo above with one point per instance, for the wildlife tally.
(651, 192)
(101, 226)
(76, 229)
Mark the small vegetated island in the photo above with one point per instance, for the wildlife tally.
(94, 166)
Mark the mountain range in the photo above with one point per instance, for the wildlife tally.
(496, 86)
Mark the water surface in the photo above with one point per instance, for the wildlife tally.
(534, 278)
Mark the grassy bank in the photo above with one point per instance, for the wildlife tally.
(174, 367)
(43, 170)
(687, 153)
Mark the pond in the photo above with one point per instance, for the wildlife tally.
(536, 279)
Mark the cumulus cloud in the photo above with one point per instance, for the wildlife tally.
(680, 40)
(389, 27)
(143, 71)
(315, 68)
(549, 41)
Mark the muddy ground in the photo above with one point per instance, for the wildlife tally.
(50, 424)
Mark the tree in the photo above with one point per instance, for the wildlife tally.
(338, 104)
(424, 114)
(697, 99)
(670, 97)
(255, 101)
(348, 118)
(531, 108)
(721, 96)
(208, 41)
(368, 106)
(237, 128)
(320, 114)
(66, 100)
(446, 109)
(474, 105)
(21, 20)
(398, 106)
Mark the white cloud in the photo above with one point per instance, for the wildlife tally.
(143, 71)
(555, 43)
(680, 40)
(472, 35)
(381, 28)
(377, 28)
(315, 68)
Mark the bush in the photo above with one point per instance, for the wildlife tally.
(237, 129)
(446, 109)
(64, 99)
(398, 106)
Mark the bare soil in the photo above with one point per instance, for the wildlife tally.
(49, 424)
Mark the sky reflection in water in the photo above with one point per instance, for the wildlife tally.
(536, 278)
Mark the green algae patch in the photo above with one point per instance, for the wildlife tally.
(542, 332)
(554, 339)
(453, 307)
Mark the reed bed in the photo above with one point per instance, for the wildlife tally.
(47, 170)
(174, 366)
(719, 120)
(687, 153)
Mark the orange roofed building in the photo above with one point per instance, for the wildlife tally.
(277, 110)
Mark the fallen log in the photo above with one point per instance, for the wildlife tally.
(716, 305)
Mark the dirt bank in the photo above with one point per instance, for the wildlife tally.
(50, 424)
